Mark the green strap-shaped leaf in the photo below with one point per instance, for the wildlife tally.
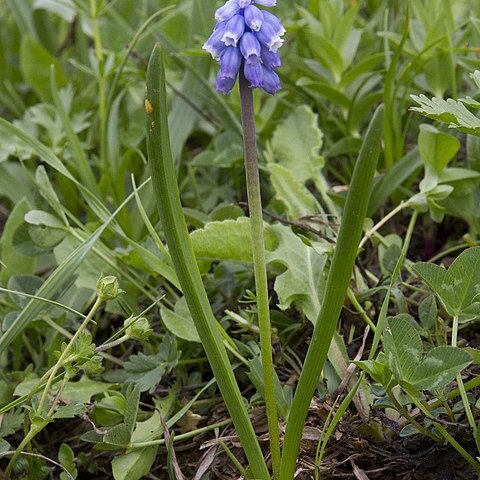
(185, 264)
(337, 284)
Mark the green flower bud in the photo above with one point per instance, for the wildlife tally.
(107, 288)
(138, 328)
(93, 366)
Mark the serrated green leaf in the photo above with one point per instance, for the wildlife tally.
(4, 445)
(302, 283)
(293, 194)
(65, 454)
(180, 322)
(134, 465)
(296, 143)
(66, 457)
(448, 111)
(147, 370)
(11, 422)
(439, 367)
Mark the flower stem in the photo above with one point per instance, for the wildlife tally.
(461, 386)
(259, 266)
(36, 428)
(382, 222)
(66, 352)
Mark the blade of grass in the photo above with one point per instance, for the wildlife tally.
(62, 275)
(183, 257)
(338, 279)
(81, 161)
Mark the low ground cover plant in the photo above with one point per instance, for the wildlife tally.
(271, 281)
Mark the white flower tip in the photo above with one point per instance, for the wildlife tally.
(275, 45)
(229, 41)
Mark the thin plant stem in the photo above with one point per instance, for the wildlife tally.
(461, 386)
(404, 412)
(39, 426)
(233, 459)
(34, 429)
(259, 266)
(396, 272)
(182, 436)
(356, 304)
(66, 352)
(382, 222)
(424, 408)
(43, 457)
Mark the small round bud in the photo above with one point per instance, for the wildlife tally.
(108, 288)
(138, 329)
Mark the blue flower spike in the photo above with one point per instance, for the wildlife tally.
(247, 37)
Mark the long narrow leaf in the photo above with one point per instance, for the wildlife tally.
(338, 279)
(81, 160)
(183, 257)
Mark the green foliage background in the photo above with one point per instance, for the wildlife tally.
(76, 202)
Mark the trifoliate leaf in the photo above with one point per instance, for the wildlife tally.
(457, 288)
(403, 347)
(439, 367)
